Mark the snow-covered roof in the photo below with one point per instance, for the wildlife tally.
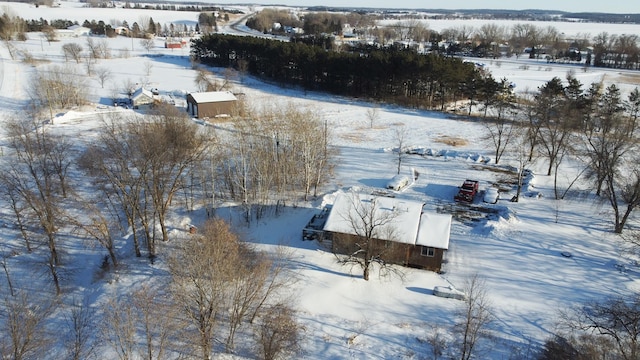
(79, 28)
(141, 92)
(434, 230)
(406, 218)
(213, 96)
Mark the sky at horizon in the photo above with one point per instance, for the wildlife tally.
(618, 7)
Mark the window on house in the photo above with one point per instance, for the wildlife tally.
(428, 251)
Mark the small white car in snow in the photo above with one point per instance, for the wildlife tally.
(491, 195)
(398, 182)
(449, 292)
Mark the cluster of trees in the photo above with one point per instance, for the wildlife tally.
(272, 161)
(313, 23)
(404, 77)
(606, 329)
(12, 27)
(264, 20)
(192, 314)
(140, 168)
(596, 126)
(207, 23)
(316, 23)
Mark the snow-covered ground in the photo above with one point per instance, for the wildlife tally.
(518, 251)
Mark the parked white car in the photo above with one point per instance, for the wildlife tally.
(398, 182)
(491, 195)
(449, 292)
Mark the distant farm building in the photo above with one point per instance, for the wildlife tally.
(142, 97)
(74, 31)
(175, 43)
(412, 238)
(211, 104)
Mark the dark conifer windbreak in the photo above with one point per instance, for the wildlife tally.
(392, 75)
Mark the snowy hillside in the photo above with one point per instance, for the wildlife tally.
(517, 247)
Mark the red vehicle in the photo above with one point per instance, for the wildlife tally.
(467, 191)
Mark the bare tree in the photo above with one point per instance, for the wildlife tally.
(199, 294)
(611, 142)
(103, 74)
(50, 34)
(148, 66)
(102, 48)
(400, 136)
(98, 226)
(157, 317)
(35, 176)
(556, 129)
(623, 191)
(438, 341)
(245, 282)
(491, 35)
(108, 162)
(118, 328)
(499, 134)
(92, 47)
(616, 318)
(525, 35)
(166, 149)
(80, 336)
(373, 114)
(73, 51)
(520, 147)
(24, 334)
(89, 64)
(369, 222)
(11, 192)
(289, 154)
(11, 48)
(581, 346)
(309, 139)
(277, 333)
(3, 262)
(58, 87)
(148, 44)
(474, 319)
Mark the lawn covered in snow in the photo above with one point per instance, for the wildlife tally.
(518, 249)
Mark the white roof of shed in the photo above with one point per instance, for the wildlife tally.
(213, 96)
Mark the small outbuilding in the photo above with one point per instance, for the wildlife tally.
(211, 104)
(406, 235)
(141, 97)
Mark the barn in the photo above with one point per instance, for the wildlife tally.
(211, 104)
(401, 231)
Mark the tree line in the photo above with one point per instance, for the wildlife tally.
(404, 77)
(488, 40)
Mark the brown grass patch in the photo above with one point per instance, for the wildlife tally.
(629, 78)
(452, 140)
(354, 137)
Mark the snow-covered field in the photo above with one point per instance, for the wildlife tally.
(517, 252)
